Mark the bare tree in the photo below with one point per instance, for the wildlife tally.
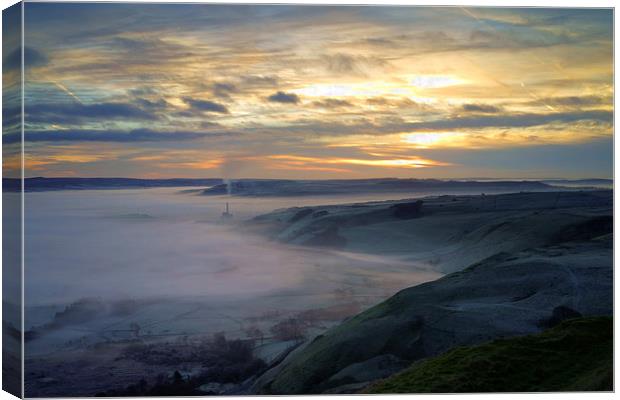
(289, 329)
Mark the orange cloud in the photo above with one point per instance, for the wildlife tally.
(402, 162)
(208, 164)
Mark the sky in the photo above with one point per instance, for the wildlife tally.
(313, 92)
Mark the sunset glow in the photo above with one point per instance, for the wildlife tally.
(450, 92)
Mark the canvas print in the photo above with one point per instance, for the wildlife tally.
(233, 199)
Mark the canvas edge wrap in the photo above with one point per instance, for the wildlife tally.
(12, 211)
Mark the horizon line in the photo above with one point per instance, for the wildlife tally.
(316, 179)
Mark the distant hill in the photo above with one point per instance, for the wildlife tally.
(601, 183)
(281, 187)
(285, 187)
(46, 184)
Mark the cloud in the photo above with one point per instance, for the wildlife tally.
(480, 108)
(86, 135)
(259, 80)
(576, 101)
(511, 120)
(76, 112)
(146, 49)
(372, 54)
(332, 103)
(341, 63)
(205, 105)
(402, 102)
(513, 40)
(364, 126)
(143, 91)
(488, 39)
(32, 58)
(209, 124)
(223, 90)
(292, 161)
(152, 104)
(282, 97)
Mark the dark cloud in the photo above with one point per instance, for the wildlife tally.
(86, 135)
(396, 125)
(282, 97)
(159, 104)
(223, 89)
(133, 44)
(209, 125)
(205, 105)
(332, 103)
(77, 112)
(11, 113)
(11, 120)
(32, 58)
(480, 108)
(512, 120)
(183, 114)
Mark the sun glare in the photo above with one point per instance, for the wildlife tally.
(427, 139)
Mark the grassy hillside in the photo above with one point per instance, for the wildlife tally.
(576, 355)
(505, 296)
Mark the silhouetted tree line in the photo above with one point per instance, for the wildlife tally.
(225, 361)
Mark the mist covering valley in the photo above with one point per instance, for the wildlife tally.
(149, 243)
(139, 283)
(166, 262)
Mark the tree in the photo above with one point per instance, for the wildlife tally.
(253, 332)
(177, 378)
(289, 329)
(135, 329)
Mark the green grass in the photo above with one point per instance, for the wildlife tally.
(576, 355)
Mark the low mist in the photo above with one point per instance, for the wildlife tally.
(163, 244)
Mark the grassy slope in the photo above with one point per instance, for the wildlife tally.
(576, 355)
